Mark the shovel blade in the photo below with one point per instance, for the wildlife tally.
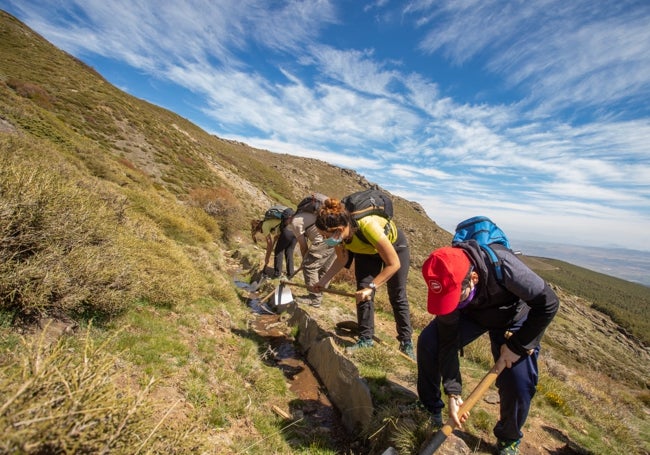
(256, 285)
(282, 297)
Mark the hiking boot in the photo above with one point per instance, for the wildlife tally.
(508, 447)
(407, 348)
(307, 301)
(436, 420)
(362, 343)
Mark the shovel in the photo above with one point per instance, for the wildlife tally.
(330, 291)
(256, 285)
(442, 434)
(348, 325)
(282, 295)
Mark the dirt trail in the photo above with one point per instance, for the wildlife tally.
(320, 416)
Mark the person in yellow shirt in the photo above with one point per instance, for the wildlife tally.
(381, 256)
(279, 239)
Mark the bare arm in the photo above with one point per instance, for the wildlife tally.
(304, 247)
(270, 243)
(391, 266)
(392, 263)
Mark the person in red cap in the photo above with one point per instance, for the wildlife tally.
(468, 301)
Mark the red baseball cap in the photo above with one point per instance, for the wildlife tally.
(444, 272)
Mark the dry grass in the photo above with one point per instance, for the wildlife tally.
(67, 397)
(72, 245)
(58, 237)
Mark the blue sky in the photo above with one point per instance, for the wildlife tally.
(535, 113)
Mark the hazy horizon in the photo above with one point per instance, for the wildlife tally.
(627, 264)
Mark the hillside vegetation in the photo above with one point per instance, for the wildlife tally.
(122, 229)
(627, 303)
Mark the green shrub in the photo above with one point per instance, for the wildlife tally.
(58, 237)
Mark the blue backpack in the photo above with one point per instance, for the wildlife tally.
(275, 212)
(485, 232)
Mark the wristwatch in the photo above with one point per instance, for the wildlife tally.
(372, 286)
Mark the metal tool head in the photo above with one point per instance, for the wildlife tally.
(281, 298)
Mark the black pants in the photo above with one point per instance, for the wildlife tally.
(284, 251)
(367, 267)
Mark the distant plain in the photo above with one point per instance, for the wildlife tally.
(630, 265)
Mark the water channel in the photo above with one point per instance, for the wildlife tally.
(313, 419)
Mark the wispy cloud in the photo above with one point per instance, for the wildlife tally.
(535, 112)
(561, 53)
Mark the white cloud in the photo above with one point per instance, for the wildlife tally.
(579, 54)
(566, 147)
(354, 68)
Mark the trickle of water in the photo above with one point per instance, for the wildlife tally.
(322, 419)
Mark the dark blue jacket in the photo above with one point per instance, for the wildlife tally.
(496, 306)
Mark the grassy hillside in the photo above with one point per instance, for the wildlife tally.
(122, 226)
(625, 302)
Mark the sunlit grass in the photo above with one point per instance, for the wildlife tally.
(151, 339)
(52, 393)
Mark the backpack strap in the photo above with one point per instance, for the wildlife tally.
(363, 238)
(494, 259)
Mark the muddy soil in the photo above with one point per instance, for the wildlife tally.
(314, 416)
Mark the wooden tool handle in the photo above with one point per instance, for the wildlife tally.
(330, 291)
(468, 404)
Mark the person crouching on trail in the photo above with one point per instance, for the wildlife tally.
(317, 256)
(382, 259)
(280, 241)
(468, 300)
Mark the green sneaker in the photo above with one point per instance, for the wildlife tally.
(362, 343)
(407, 348)
(436, 420)
(508, 447)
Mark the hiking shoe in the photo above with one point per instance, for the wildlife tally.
(508, 447)
(362, 343)
(407, 348)
(436, 420)
(307, 301)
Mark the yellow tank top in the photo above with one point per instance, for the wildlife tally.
(372, 227)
